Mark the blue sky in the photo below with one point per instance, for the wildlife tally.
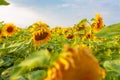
(59, 12)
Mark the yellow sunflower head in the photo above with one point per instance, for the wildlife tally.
(98, 23)
(76, 64)
(70, 36)
(40, 36)
(9, 29)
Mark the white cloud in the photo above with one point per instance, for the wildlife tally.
(67, 5)
(20, 16)
(25, 16)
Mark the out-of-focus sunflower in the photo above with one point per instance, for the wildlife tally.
(89, 36)
(76, 64)
(40, 36)
(70, 36)
(9, 29)
(98, 23)
(65, 30)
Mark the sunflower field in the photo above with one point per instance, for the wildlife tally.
(39, 52)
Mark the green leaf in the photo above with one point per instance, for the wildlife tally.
(1, 62)
(83, 21)
(113, 69)
(36, 75)
(6, 74)
(36, 61)
(113, 65)
(3, 2)
(6, 62)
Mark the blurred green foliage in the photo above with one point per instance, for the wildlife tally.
(3, 2)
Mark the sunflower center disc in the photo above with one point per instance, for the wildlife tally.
(41, 36)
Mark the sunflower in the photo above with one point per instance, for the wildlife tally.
(70, 36)
(89, 36)
(40, 36)
(98, 23)
(9, 29)
(76, 64)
